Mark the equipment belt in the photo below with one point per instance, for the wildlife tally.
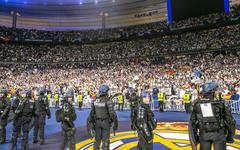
(102, 119)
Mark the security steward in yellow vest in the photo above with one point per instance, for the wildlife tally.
(9, 96)
(80, 100)
(49, 96)
(161, 100)
(56, 99)
(187, 102)
(218, 96)
(120, 100)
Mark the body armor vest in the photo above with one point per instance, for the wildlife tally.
(210, 119)
(28, 108)
(101, 110)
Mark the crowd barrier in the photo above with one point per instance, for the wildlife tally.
(174, 103)
(235, 105)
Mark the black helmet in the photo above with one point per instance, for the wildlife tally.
(103, 89)
(209, 87)
(42, 91)
(28, 93)
(68, 94)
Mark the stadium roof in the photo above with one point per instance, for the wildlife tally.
(83, 13)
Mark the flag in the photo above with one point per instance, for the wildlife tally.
(171, 72)
(6, 38)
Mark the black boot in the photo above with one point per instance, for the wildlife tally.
(24, 146)
(35, 140)
(13, 147)
(2, 141)
(14, 144)
(41, 141)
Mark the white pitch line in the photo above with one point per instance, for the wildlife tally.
(231, 148)
(84, 148)
(178, 136)
(115, 144)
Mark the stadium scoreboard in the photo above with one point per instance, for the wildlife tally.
(184, 9)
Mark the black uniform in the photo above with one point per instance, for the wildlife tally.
(16, 102)
(134, 100)
(215, 128)
(14, 108)
(22, 119)
(41, 111)
(66, 115)
(5, 107)
(102, 116)
(145, 123)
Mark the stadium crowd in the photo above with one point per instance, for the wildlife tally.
(207, 39)
(179, 73)
(210, 19)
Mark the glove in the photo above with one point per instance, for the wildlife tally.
(229, 139)
(133, 127)
(197, 138)
(67, 119)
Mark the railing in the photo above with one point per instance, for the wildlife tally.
(174, 103)
(235, 106)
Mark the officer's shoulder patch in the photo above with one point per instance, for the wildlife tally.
(97, 100)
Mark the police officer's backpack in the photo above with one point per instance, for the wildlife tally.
(58, 115)
(230, 122)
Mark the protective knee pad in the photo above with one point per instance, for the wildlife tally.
(24, 146)
(72, 146)
(63, 145)
(105, 145)
(25, 139)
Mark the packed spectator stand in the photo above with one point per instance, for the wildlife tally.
(141, 63)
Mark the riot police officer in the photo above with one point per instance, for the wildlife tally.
(15, 104)
(41, 111)
(22, 118)
(101, 118)
(5, 106)
(212, 119)
(134, 100)
(144, 123)
(16, 100)
(66, 115)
